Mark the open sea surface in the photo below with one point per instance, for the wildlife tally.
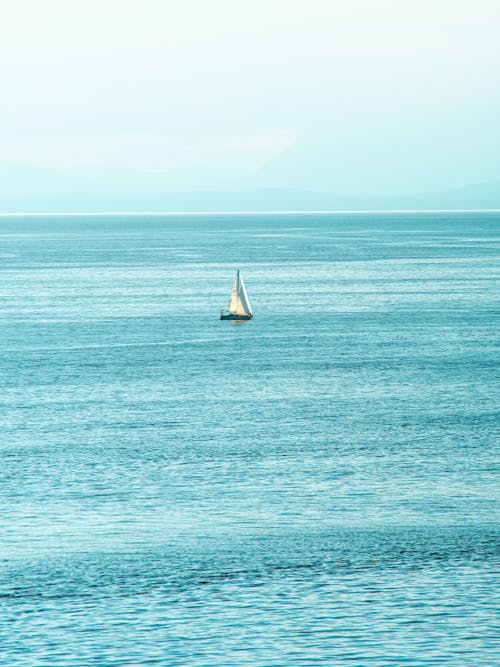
(317, 486)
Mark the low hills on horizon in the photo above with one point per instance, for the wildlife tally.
(365, 166)
(482, 196)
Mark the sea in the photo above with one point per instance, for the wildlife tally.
(316, 486)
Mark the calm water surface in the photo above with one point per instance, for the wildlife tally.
(314, 487)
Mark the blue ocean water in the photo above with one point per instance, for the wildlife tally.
(313, 487)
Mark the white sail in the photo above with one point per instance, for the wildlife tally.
(235, 294)
(245, 301)
(239, 303)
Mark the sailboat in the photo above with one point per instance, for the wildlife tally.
(239, 307)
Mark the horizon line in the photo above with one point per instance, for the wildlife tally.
(284, 212)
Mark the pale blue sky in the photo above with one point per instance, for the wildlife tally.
(337, 95)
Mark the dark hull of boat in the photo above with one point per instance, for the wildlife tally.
(232, 316)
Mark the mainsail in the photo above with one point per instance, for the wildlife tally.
(239, 303)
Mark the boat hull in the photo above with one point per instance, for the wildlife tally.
(232, 316)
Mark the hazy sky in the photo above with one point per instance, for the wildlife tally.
(333, 94)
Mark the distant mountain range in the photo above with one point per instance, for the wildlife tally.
(472, 197)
